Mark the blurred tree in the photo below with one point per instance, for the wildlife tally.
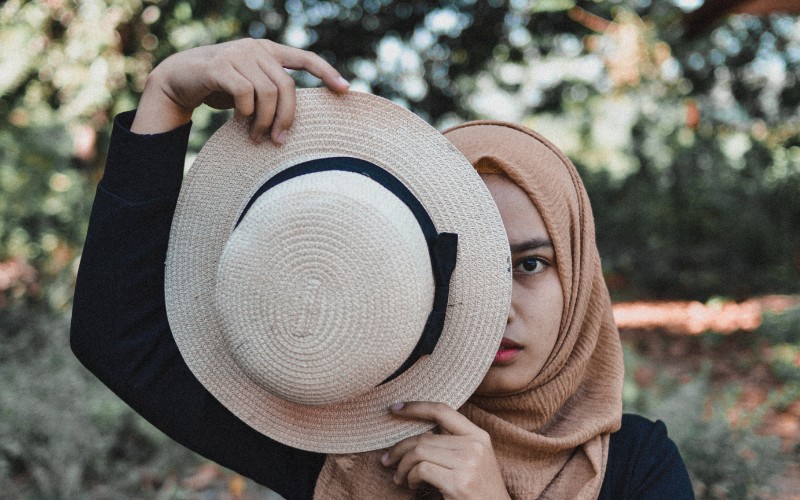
(688, 147)
(65, 68)
(674, 133)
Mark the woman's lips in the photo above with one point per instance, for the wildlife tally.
(507, 352)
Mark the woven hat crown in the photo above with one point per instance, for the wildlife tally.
(324, 287)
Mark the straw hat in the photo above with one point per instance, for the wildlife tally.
(310, 285)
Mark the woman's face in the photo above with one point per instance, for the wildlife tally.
(537, 301)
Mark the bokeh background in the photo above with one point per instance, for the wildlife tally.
(682, 116)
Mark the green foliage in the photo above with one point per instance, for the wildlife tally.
(781, 327)
(50, 435)
(698, 227)
(724, 460)
(785, 362)
(45, 204)
(690, 149)
(66, 67)
(786, 396)
(693, 167)
(780, 334)
(65, 435)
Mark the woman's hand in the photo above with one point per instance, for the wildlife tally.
(459, 462)
(247, 75)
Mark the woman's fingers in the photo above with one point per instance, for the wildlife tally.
(460, 463)
(448, 419)
(248, 75)
(240, 87)
(425, 473)
(282, 102)
(263, 94)
(263, 63)
(442, 455)
(293, 58)
(394, 454)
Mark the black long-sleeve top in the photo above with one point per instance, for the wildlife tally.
(121, 333)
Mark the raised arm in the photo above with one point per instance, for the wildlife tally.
(120, 329)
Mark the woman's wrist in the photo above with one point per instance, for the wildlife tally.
(157, 112)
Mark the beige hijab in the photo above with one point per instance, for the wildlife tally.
(551, 439)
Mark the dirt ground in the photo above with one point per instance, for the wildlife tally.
(669, 334)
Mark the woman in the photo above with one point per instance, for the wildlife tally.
(546, 420)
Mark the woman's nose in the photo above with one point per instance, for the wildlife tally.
(511, 313)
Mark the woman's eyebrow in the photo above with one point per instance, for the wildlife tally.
(531, 244)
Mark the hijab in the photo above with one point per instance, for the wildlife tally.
(551, 438)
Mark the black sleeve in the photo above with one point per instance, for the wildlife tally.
(120, 330)
(644, 463)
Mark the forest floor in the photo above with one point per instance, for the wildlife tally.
(673, 337)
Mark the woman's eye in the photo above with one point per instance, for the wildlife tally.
(531, 265)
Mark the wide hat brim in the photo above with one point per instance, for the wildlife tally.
(226, 174)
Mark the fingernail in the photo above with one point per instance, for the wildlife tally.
(396, 479)
(281, 137)
(385, 458)
(397, 406)
(344, 82)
